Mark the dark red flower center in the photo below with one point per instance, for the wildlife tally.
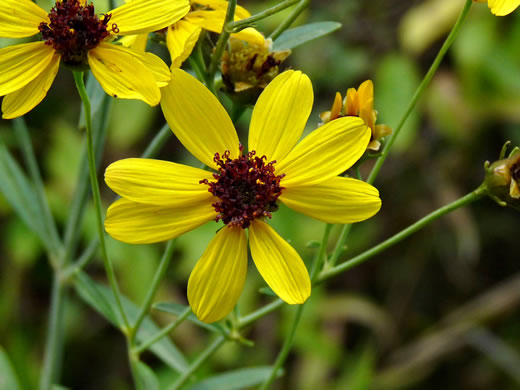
(75, 29)
(246, 188)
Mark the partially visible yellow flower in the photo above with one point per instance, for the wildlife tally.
(76, 37)
(162, 200)
(501, 7)
(359, 103)
(502, 182)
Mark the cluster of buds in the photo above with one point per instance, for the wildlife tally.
(502, 182)
(248, 68)
(359, 103)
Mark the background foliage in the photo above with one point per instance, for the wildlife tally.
(436, 311)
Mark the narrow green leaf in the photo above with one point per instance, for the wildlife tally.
(20, 194)
(91, 292)
(146, 377)
(243, 378)
(177, 309)
(266, 290)
(8, 380)
(58, 387)
(297, 36)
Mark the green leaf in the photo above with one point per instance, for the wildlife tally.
(243, 378)
(266, 290)
(177, 309)
(59, 387)
(101, 298)
(20, 194)
(8, 380)
(146, 377)
(297, 36)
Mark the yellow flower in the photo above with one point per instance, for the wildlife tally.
(359, 103)
(76, 37)
(209, 15)
(162, 200)
(501, 7)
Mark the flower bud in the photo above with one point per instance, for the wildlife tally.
(502, 182)
(248, 68)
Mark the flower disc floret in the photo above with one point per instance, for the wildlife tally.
(74, 29)
(247, 188)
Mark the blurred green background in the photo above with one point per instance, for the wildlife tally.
(439, 310)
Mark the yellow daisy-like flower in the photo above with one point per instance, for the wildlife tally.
(359, 103)
(501, 7)
(209, 15)
(76, 37)
(162, 200)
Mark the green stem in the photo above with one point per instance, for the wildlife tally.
(205, 355)
(159, 274)
(163, 332)
(85, 257)
(257, 314)
(22, 133)
(236, 26)
(290, 20)
(285, 349)
(80, 85)
(340, 245)
(420, 90)
(221, 44)
(322, 254)
(51, 363)
(157, 142)
(465, 200)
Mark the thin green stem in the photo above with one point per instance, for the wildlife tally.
(290, 19)
(340, 245)
(322, 254)
(221, 44)
(163, 332)
(361, 258)
(51, 363)
(159, 274)
(236, 26)
(80, 263)
(257, 314)
(80, 85)
(205, 355)
(22, 133)
(420, 90)
(286, 348)
(157, 142)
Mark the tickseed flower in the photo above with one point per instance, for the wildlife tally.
(162, 200)
(359, 103)
(73, 35)
(182, 36)
(501, 7)
(248, 68)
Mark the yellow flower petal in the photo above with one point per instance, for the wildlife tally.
(140, 223)
(503, 7)
(325, 153)
(337, 200)
(240, 12)
(180, 40)
(280, 115)
(122, 75)
(157, 182)
(279, 264)
(218, 277)
(136, 42)
(142, 16)
(198, 119)
(25, 99)
(20, 18)
(154, 64)
(214, 21)
(20, 64)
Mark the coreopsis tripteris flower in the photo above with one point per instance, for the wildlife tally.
(359, 103)
(210, 15)
(162, 200)
(75, 36)
(501, 7)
